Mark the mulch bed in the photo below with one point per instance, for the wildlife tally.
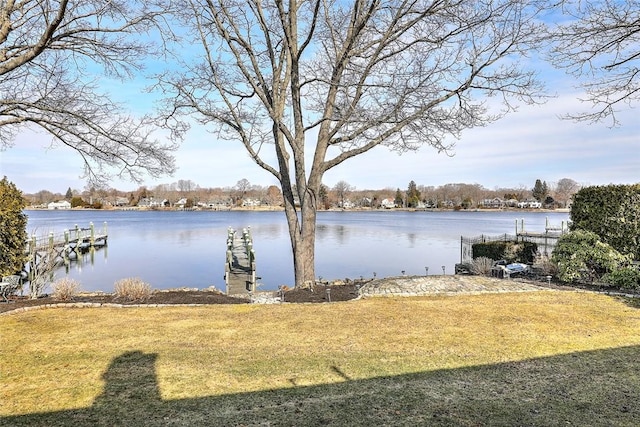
(316, 294)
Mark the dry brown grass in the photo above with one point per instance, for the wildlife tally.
(65, 289)
(203, 361)
(132, 289)
(482, 266)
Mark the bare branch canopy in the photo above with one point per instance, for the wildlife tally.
(599, 43)
(307, 85)
(50, 54)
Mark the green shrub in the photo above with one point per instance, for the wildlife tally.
(132, 289)
(582, 257)
(624, 277)
(612, 212)
(509, 251)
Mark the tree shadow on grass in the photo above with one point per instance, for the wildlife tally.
(588, 388)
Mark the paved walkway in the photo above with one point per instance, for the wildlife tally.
(448, 285)
(426, 285)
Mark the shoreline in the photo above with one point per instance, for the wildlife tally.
(281, 209)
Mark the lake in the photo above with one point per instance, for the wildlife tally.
(171, 249)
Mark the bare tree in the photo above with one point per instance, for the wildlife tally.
(42, 268)
(50, 51)
(341, 78)
(186, 186)
(565, 189)
(274, 195)
(342, 189)
(240, 190)
(599, 43)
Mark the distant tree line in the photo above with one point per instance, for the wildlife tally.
(341, 195)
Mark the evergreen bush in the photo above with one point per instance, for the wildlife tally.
(624, 277)
(613, 213)
(509, 251)
(582, 257)
(13, 229)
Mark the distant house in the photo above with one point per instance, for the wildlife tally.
(122, 201)
(530, 204)
(494, 203)
(150, 202)
(63, 204)
(346, 204)
(252, 203)
(218, 204)
(388, 203)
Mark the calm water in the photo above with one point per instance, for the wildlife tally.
(175, 249)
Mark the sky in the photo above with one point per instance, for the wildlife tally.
(532, 143)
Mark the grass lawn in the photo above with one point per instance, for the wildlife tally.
(537, 358)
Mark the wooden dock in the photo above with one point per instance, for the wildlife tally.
(240, 265)
(73, 240)
(52, 250)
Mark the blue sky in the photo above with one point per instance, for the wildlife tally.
(513, 152)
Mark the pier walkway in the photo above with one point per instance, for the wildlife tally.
(240, 266)
(51, 250)
(76, 239)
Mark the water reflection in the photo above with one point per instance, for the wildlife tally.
(322, 231)
(341, 233)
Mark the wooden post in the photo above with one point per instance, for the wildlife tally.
(92, 239)
(66, 248)
(32, 255)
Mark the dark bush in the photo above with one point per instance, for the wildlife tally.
(509, 251)
(624, 277)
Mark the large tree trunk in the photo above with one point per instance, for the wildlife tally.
(302, 232)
